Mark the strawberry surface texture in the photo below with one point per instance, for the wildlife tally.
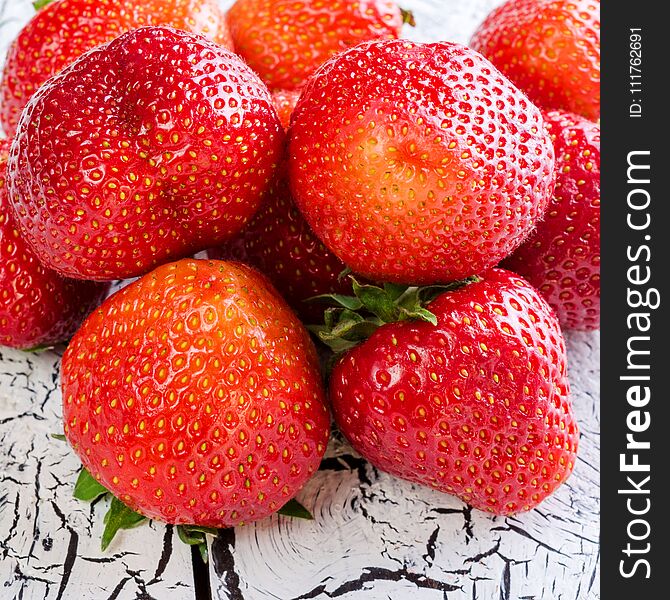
(38, 307)
(279, 243)
(418, 163)
(285, 41)
(562, 257)
(550, 49)
(194, 396)
(65, 29)
(152, 147)
(477, 406)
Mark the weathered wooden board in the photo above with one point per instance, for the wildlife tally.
(373, 536)
(50, 542)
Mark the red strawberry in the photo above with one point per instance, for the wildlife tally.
(279, 243)
(418, 163)
(155, 146)
(550, 49)
(286, 41)
(562, 258)
(38, 307)
(194, 396)
(285, 101)
(65, 29)
(476, 405)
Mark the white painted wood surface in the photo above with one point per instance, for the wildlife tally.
(373, 538)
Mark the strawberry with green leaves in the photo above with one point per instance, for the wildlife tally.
(152, 147)
(194, 396)
(468, 395)
(550, 49)
(562, 257)
(418, 163)
(38, 307)
(63, 30)
(286, 41)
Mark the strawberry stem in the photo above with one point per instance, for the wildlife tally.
(351, 320)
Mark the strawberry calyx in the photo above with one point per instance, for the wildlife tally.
(40, 4)
(407, 17)
(351, 320)
(119, 516)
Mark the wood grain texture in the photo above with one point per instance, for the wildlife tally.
(373, 538)
(50, 542)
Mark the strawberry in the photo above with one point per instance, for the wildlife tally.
(550, 49)
(286, 41)
(418, 163)
(38, 307)
(474, 403)
(285, 101)
(194, 396)
(562, 258)
(152, 147)
(279, 243)
(65, 29)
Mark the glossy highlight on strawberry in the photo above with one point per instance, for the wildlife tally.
(550, 49)
(285, 41)
(64, 29)
(194, 396)
(477, 406)
(562, 257)
(38, 307)
(152, 147)
(418, 163)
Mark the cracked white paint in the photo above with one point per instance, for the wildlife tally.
(374, 537)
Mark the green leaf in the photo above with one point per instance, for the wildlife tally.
(345, 273)
(294, 509)
(59, 436)
(421, 314)
(193, 534)
(39, 349)
(40, 4)
(119, 516)
(88, 488)
(348, 302)
(395, 290)
(376, 300)
(408, 17)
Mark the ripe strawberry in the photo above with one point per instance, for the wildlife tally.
(550, 49)
(279, 243)
(285, 101)
(194, 396)
(38, 307)
(476, 405)
(562, 258)
(65, 29)
(418, 163)
(286, 41)
(153, 147)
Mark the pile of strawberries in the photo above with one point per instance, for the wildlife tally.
(339, 177)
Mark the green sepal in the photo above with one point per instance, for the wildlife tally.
(39, 349)
(408, 17)
(59, 436)
(194, 535)
(119, 516)
(88, 488)
(294, 509)
(40, 4)
(353, 319)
